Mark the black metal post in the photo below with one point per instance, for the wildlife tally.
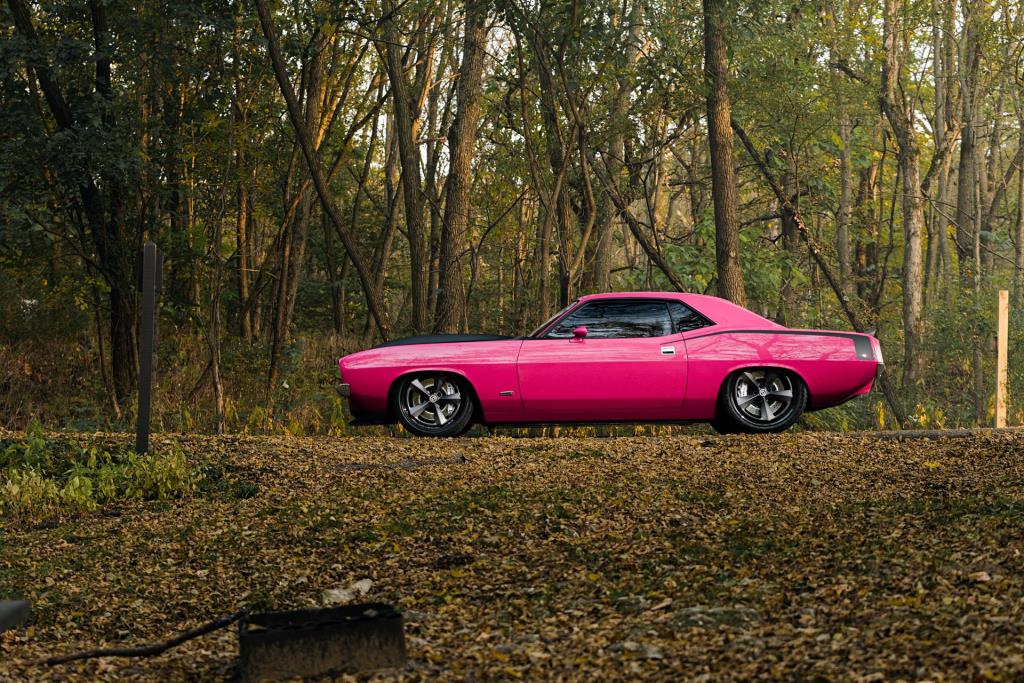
(150, 264)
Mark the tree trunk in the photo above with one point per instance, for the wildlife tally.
(242, 226)
(333, 277)
(913, 272)
(843, 211)
(723, 174)
(215, 288)
(558, 208)
(790, 241)
(967, 218)
(242, 247)
(864, 211)
(900, 118)
(938, 248)
(988, 187)
(408, 152)
(966, 204)
(1018, 245)
(451, 304)
(968, 200)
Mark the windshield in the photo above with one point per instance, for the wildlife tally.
(550, 320)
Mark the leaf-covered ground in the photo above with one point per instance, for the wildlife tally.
(795, 557)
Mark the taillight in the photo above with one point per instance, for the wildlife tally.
(876, 346)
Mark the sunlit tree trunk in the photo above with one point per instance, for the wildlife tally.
(900, 116)
(938, 243)
(967, 172)
(723, 174)
(843, 211)
(1018, 245)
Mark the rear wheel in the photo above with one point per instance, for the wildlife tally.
(761, 400)
(433, 404)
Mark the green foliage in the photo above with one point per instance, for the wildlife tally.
(42, 478)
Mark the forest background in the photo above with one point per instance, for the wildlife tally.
(322, 176)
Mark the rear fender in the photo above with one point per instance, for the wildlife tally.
(762, 366)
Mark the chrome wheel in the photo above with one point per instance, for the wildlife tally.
(431, 403)
(764, 397)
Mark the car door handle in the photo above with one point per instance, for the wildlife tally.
(668, 350)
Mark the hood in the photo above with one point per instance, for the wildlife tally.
(442, 339)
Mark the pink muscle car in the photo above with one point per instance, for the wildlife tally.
(628, 357)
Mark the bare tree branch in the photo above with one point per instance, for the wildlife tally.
(819, 259)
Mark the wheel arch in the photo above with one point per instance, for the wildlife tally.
(761, 366)
(478, 408)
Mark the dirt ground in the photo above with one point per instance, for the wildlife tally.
(794, 557)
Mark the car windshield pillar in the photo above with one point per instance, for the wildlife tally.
(538, 331)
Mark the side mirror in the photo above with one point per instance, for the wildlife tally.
(578, 333)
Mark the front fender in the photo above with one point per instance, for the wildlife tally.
(488, 367)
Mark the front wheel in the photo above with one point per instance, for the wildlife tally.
(433, 404)
(762, 400)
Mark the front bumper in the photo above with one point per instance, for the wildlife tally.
(344, 390)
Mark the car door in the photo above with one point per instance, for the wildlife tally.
(631, 365)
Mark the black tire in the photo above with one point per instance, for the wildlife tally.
(722, 425)
(433, 404)
(760, 401)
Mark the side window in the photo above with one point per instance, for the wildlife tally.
(616, 320)
(685, 318)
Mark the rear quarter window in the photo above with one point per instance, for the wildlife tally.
(685, 318)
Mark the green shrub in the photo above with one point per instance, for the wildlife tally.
(42, 478)
(28, 494)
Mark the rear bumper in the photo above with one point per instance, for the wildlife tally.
(874, 381)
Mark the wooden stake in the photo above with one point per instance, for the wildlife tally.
(1001, 340)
